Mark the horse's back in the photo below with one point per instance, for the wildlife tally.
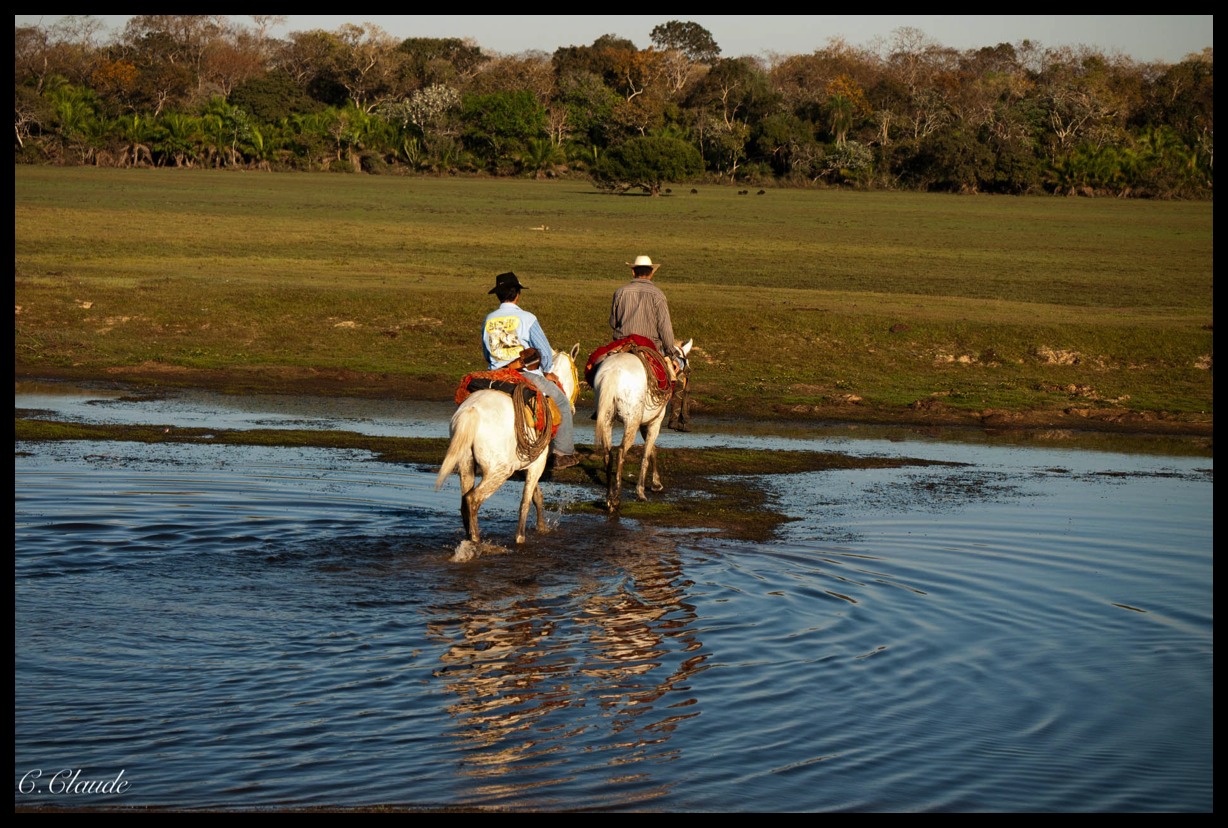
(623, 371)
(491, 408)
(621, 383)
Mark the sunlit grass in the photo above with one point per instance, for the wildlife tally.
(795, 297)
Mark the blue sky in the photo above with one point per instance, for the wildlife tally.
(1167, 38)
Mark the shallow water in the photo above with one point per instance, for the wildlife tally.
(234, 627)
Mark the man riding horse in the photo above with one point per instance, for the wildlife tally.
(640, 309)
(512, 337)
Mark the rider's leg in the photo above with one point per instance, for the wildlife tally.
(564, 443)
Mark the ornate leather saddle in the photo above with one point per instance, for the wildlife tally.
(653, 360)
(513, 383)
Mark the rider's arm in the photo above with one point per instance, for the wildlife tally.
(665, 327)
(490, 363)
(537, 339)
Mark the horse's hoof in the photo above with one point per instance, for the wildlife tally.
(657, 487)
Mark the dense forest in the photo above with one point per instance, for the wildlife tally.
(207, 91)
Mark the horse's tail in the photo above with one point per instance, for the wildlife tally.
(604, 427)
(464, 430)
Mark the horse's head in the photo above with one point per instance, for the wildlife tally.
(681, 352)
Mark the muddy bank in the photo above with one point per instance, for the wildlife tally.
(712, 489)
(922, 414)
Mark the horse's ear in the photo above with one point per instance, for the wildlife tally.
(575, 351)
(686, 346)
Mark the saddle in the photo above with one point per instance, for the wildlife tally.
(510, 381)
(654, 361)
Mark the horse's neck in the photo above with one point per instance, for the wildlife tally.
(565, 370)
(569, 376)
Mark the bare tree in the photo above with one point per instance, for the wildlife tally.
(183, 39)
(686, 47)
(369, 65)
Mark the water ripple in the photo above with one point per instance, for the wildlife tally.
(239, 627)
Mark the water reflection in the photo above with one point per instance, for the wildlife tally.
(547, 683)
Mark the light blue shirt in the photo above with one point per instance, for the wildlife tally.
(510, 329)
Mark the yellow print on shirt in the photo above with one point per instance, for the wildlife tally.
(503, 338)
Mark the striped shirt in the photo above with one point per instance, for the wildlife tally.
(640, 308)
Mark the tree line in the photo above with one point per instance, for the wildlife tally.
(207, 91)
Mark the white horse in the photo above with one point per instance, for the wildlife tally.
(484, 441)
(623, 395)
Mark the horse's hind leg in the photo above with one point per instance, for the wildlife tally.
(475, 497)
(614, 477)
(603, 431)
(540, 505)
(649, 471)
(468, 514)
(648, 466)
(532, 496)
(648, 463)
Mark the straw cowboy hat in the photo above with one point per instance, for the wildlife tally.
(643, 261)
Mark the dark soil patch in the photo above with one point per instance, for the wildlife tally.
(289, 380)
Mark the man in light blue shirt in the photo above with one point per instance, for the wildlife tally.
(507, 331)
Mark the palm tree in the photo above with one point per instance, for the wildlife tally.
(541, 156)
(840, 117)
(231, 132)
(353, 131)
(74, 118)
(136, 133)
(312, 136)
(177, 139)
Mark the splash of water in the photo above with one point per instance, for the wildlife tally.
(467, 551)
(558, 506)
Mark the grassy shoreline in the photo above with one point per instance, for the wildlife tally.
(812, 306)
(318, 383)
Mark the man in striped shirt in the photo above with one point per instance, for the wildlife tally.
(640, 308)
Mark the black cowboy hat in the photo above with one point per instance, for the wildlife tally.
(508, 278)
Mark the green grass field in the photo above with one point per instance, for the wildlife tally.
(800, 302)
